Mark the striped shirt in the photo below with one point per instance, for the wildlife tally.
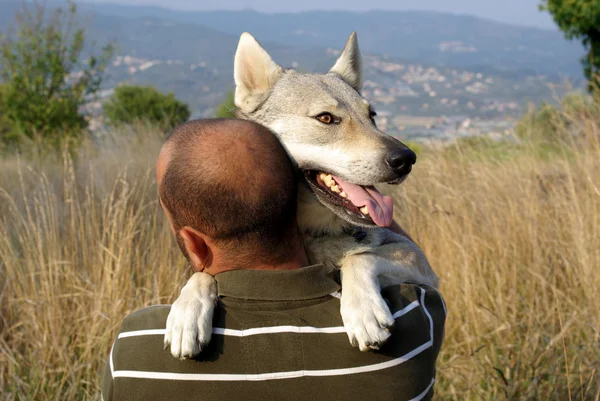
(278, 335)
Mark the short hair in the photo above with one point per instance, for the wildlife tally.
(233, 181)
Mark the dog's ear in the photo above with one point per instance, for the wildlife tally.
(349, 65)
(254, 72)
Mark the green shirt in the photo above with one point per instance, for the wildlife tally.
(278, 335)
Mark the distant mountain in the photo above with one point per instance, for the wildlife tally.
(422, 37)
(196, 62)
(426, 37)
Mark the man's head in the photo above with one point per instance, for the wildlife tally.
(229, 190)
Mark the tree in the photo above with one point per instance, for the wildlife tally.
(6, 133)
(45, 78)
(130, 104)
(227, 108)
(580, 19)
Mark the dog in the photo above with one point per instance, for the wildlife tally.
(329, 131)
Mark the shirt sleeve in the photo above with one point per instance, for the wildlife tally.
(107, 386)
(430, 306)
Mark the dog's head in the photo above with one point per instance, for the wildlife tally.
(327, 127)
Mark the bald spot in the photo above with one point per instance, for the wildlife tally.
(230, 179)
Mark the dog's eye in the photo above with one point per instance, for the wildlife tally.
(326, 118)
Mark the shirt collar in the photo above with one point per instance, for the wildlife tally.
(278, 285)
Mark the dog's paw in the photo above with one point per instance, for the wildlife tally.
(367, 319)
(189, 325)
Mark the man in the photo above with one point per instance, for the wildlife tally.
(229, 191)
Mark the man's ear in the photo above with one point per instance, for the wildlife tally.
(197, 250)
(349, 65)
(254, 73)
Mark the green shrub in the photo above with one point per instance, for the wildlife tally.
(6, 134)
(559, 123)
(130, 104)
(539, 122)
(45, 78)
(227, 108)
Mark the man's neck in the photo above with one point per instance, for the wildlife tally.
(291, 265)
(297, 260)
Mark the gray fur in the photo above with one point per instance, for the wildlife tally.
(287, 102)
(355, 149)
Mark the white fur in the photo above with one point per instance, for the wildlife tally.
(189, 325)
(336, 157)
(367, 318)
(255, 73)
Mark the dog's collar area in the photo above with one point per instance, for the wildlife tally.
(358, 233)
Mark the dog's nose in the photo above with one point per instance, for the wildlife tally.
(401, 160)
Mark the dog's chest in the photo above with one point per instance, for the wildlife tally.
(332, 249)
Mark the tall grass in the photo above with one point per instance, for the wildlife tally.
(513, 232)
(82, 243)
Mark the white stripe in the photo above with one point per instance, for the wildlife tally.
(278, 329)
(111, 363)
(428, 315)
(247, 332)
(136, 333)
(267, 330)
(424, 393)
(406, 309)
(101, 397)
(271, 376)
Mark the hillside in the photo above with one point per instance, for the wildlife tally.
(426, 37)
(423, 37)
(196, 61)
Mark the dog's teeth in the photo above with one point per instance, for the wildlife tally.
(322, 176)
(335, 189)
(364, 210)
(343, 194)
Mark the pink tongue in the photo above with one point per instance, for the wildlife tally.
(381, 208)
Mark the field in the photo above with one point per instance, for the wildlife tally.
(513, 230)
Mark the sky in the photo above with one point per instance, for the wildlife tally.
(521, 12)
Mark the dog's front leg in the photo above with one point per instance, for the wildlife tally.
(189, 325)
(367, 318)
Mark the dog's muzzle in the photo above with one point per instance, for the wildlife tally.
(401, 161)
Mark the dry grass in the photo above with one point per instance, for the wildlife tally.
(513, 232)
